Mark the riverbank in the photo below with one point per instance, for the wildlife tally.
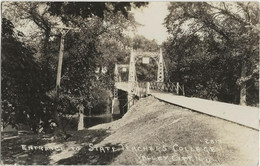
(151, 133)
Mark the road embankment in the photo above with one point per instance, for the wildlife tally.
(152, 132)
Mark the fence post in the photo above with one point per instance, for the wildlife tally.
(147, 89)
(177, 88)
(130, 101)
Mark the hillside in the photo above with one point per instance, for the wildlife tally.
(153, 133)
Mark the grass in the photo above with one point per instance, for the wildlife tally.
(151, 133)
(158, 132)
(153, 123)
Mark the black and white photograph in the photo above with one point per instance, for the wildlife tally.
(130, 83)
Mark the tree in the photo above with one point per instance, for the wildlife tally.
(100, 42)
(143, 44)
(233, 37)
(34, 20)
(96, 45)
(23, 98)
(36, 13)
(68, 10)
(84, 50)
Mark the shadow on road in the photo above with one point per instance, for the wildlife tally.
(95, 157)
(12, 152)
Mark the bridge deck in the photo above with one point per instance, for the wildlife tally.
(244, 115)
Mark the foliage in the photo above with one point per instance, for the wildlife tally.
(88, 9)
(95, 46)
(143, 44)
(23, 94)
(145, 72)
(30, 63)
(102, 101)
(34, 20)
(214, 49)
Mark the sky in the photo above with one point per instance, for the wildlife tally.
(152, 18)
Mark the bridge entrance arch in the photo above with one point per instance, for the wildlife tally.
(157, 56)
(146, 68)
(133, 86)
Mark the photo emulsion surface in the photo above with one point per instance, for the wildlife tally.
(130, 83)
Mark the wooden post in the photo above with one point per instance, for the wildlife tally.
(147, 88)
(115, 100)
(81, 117)
(183, 92)
(243, 84)
(177, 88)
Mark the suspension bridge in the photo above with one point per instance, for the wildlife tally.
(126, 93)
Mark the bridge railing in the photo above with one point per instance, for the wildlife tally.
(142, 89)
(136, 90)
(173, 87)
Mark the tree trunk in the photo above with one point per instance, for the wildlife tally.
(243, 85)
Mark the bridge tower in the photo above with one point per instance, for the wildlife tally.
(131, 79)
(160, 73)
(133, 88)
(116, 79)
(115, 101)
(132, 73)
(116, 73)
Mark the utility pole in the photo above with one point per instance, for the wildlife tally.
(63, 34)
(61, 51)
(131, 79)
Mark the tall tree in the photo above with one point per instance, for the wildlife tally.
(23, 96)
(34, 20)
(66, 10)
(98, 44)
(232, 27)
(100, 24)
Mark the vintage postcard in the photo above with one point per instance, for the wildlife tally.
(130, 83)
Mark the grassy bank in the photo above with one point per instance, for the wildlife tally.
(151, 133)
